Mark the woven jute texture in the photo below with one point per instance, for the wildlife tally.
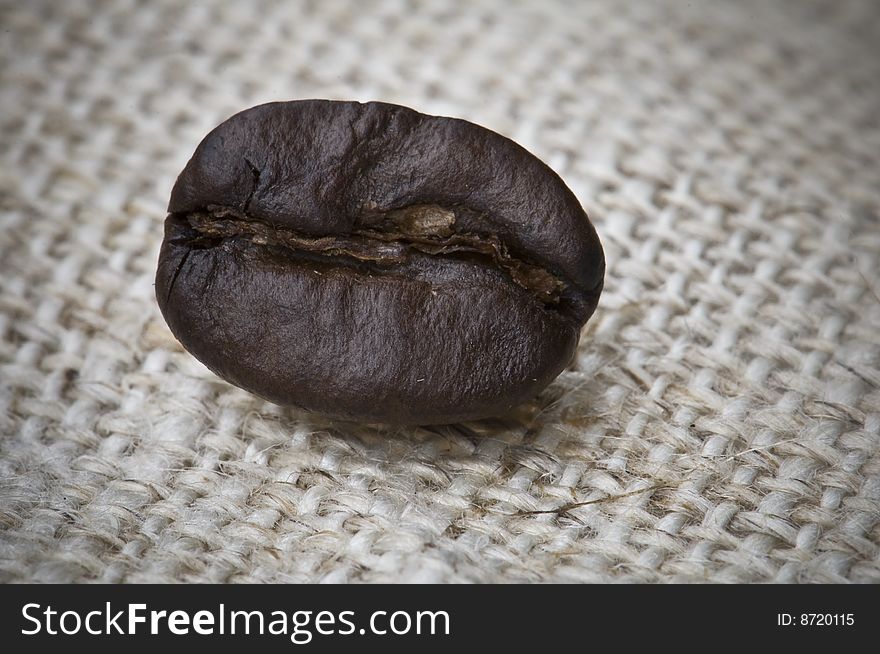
(720, 423)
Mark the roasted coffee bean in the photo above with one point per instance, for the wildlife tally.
(369, 262)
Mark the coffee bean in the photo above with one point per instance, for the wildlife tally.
(369, 262)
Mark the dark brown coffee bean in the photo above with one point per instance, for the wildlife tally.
(373, 263)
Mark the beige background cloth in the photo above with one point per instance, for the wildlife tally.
(721, 422)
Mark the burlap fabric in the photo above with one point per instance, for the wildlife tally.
(721, 422)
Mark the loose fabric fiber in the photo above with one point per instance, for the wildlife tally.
(720, 423)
